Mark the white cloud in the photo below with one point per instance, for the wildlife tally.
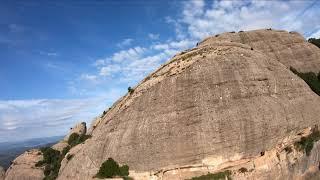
(125, 42)
(153, 36)
(200, 20)
(128, 54)
(132, 64)
(315, 34)
(179, 30)
(88, 77)
(109, 69)
(23, 119)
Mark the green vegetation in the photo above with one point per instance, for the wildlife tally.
(306, 143)
(111, 168)
(310, 78)
(315, 41)
(217, 176)
(130, 90)
(52, 158)
(52, 162)
(66, 150)
(75, 139)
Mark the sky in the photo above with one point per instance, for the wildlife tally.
(63, 62)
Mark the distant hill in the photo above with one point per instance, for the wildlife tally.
(10, 150)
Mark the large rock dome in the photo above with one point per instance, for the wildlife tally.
(231, 98)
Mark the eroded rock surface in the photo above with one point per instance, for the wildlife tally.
(2, 173)
(290, 48)
(230, 102)
(23, 167)
(79, 128)
(220, 102)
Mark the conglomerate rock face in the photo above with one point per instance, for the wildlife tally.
(291, 49)
(23, 167)
(229, 99)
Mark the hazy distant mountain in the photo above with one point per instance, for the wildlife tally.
(10, 150)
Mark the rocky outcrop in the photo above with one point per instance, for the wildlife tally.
(79, 128)
(2, 173)
(23, 167)
(225, 101)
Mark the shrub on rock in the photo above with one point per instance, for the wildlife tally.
(110, 168)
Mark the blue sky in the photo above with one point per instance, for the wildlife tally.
(65, 62)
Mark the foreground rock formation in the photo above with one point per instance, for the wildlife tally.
(2, 173)
(24, 166)
(229, 103)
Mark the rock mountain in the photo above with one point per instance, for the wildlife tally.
(230, 103)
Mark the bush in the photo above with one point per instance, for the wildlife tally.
(306, 143)
(52, 161)
(66, 150)
(124, 170)
(310, 78)
(75, 139)
(217, 176)
(130, 90)
(52, 158)
(111, 168)
(314, 41)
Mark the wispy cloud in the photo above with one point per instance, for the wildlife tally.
(201, 19)
(125, 43)
(315, 34)
(48, 53)
(89, 77)
(132, 64)
(153, 36)
(23, 119)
